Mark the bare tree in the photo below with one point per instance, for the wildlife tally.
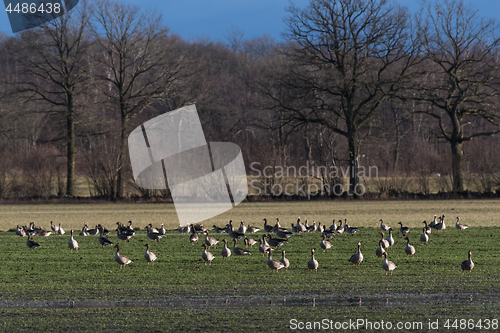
(136, 63)
(234, 37)
(53, 56)
(461, 78)
(349, 57)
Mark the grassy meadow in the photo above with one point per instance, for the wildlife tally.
(51, 289)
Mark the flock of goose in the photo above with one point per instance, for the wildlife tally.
(282, 235)
(266, 243)
(123, 233)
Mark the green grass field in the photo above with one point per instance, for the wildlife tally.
(51, 289)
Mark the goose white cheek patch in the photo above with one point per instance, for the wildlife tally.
(205, 180)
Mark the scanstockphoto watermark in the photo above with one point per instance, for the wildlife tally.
(291, 180)
(359, 324)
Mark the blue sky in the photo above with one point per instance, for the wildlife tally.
(192, 19)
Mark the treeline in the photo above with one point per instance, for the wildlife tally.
(354, 83)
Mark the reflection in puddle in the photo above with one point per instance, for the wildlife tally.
(263, 300)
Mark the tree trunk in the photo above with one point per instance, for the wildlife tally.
(70, 163)
(456, 165)
(455, 140)
(121, 157)
(352, 138)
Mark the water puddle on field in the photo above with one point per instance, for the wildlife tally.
(262, 300)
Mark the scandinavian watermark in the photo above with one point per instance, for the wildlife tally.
(299, 181)
(205, 179)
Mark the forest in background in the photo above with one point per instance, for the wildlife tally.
(353, 83)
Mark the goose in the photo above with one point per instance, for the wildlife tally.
(267, 227)
(185, 230)
(149, 256)
(231, 233)
(242, 229)
(161, 230)
(263, 245)
(181, 229)
(105, 231)
(44, 233)
(340, 228)
(277, 226)
(467, 265)
(210, 241)
(54, 228)
(313, 263)
(153, 229)
(122, 236)
(424, 237)
(194, 236)
(459, 225)
(325, 245)
(92, 232)
(427, 228)
(20, 231)
(440, 226)
(409, 249)
(389, 266)
(250, 241)
(385, 243)
(333, 227)
(72, 244)
(275, 242)
(300, 227)
(226, 253)
(433, 223)
(390, 239)
(201, 229)
(60, 230)
(252, 230)
(103, 240)
(207, 256)
(284, 260)
(320, 228)
(274, 264)
(403, 230)
(84, 232)
(31, 243)
(218, 230)
(121, 227)
(312, 228)
(238, 250)
(351, 230)
(380, 250)
(283, 233)
(120, 258)
(31, 230)
(356, 258)
(306, 225)
(130, 230)
(383, 226)
(327, 233)
(155, 236)
(294, 228)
